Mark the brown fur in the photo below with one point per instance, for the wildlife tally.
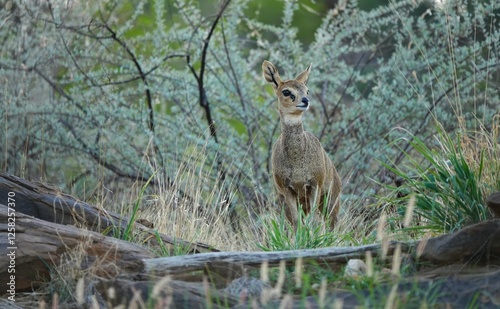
(302, 171)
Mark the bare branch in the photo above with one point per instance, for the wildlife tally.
(200, 77)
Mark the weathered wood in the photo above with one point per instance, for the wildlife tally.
(219, 260)
(474, 244)
(41, 201)
(478, 243)
(167, 293)
(493, 202)
(39, 245)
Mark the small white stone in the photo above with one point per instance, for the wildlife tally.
(355, 268)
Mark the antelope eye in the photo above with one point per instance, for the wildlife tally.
(286, 93)
(307, 91)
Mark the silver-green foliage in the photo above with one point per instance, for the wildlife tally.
(92, 88)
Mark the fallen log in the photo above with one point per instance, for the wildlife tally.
(220, 260)
(36, 246)
(478, 244)
(44, 202)
(493, 202)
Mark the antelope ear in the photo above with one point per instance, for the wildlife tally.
(302, 77)
(271, 74)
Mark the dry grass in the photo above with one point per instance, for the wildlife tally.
(194, 206)
(481, 151)
(192, 210)
(71, 280)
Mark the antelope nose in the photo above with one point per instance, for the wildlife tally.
(304, 104)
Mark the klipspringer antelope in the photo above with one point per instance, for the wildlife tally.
(302, 171)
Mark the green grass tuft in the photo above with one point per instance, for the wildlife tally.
(447, 183)
(310, 233)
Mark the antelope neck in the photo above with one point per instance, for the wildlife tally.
(290, 120)
(295, 128)
(292, 133)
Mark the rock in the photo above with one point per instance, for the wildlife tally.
(246, 287)
(355, 268)
(122, 292)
